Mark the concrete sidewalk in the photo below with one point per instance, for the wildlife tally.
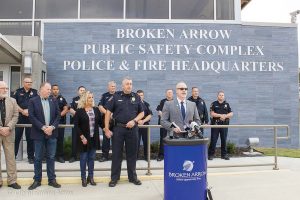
(234, 183)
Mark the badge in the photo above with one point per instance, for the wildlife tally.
(132, 99)
(60, 98)
(225, 106)
(202, 102)
(31, 93)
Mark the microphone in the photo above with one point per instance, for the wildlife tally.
(195, 129)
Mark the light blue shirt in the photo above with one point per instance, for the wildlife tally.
(46, 109)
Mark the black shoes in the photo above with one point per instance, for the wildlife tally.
(34, 185)
(0, 186)
(135, 182)
(83, 182)
(112, 183)
(72, 159)
(91, 181)
(54, 184)
(226, 157)
(103, 159)
(31, 160)
(60, 159)
(160, 158)
(210, 157)
(15, 186)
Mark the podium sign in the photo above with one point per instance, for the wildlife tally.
(185, 169)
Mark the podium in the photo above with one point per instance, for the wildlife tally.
(185, 169)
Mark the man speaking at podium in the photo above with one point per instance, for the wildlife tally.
(179, 113)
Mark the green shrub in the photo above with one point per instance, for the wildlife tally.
(155, 147)
(231, 147)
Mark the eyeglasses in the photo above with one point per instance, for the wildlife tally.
(182, 88)
(4, 88)
(28, 82)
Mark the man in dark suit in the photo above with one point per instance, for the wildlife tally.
(44, 115)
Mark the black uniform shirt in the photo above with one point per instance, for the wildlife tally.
(147, 110)
(160, 107)
(61, 103)
(74, 103)
(104, 99)
(124, 106)
(22, 97)
(220, 108)
(201, 107)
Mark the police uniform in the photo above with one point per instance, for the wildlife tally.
(162, 132)
(22, 97)
(219, 108)
(61, 131)
(202, 110)
(125, 107)
(74, 105)
(106, 141)
(143, 132)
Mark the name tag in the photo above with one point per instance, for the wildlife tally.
(120, 100)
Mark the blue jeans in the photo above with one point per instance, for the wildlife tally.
(87, 158)
(50, 145)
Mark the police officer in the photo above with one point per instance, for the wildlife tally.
(163, 132)
(63, 107)
(220, 112)
(22, 96)
(128, 110)
(111, 87)
(73, 108)
(144, 121)
(201, 106)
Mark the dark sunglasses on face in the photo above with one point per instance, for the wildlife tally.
(182, 88)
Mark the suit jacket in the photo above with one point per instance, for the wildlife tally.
(171, 113)
(82, 127)
(11, 116)
(37, 118)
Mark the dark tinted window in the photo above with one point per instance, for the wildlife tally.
(192, 9)
(101, 9)
(15, 28)
(16, 9)
(147, 9)
(225, 9)
(56, 9)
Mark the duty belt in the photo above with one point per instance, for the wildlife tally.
(118, 124)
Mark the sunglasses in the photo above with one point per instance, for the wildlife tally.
(182, 88)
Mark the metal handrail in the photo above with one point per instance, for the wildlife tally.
(149, 127)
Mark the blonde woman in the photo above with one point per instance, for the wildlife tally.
(87, 122)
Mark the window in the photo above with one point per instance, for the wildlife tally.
(15, 80)
(146, 9)
(225, 10)
(56, 9)
(16, 9)
(15, 28)
(43, 76)
(101, 9)
(192, 9)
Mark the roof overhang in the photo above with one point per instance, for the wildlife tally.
(9, 54)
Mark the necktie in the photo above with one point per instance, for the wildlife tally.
(182, 110)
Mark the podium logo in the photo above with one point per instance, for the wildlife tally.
(188, 165)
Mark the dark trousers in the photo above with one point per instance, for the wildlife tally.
(19, 135)
(163, 133)
(105, 146)
(130, 137)
(143, 132)
(215, 132)
(87, 159)
(74, 144)
(60, 141)
(50, 154)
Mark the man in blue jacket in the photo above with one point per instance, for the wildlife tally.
(44, 115)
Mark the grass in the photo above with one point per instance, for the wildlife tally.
(293, 153)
